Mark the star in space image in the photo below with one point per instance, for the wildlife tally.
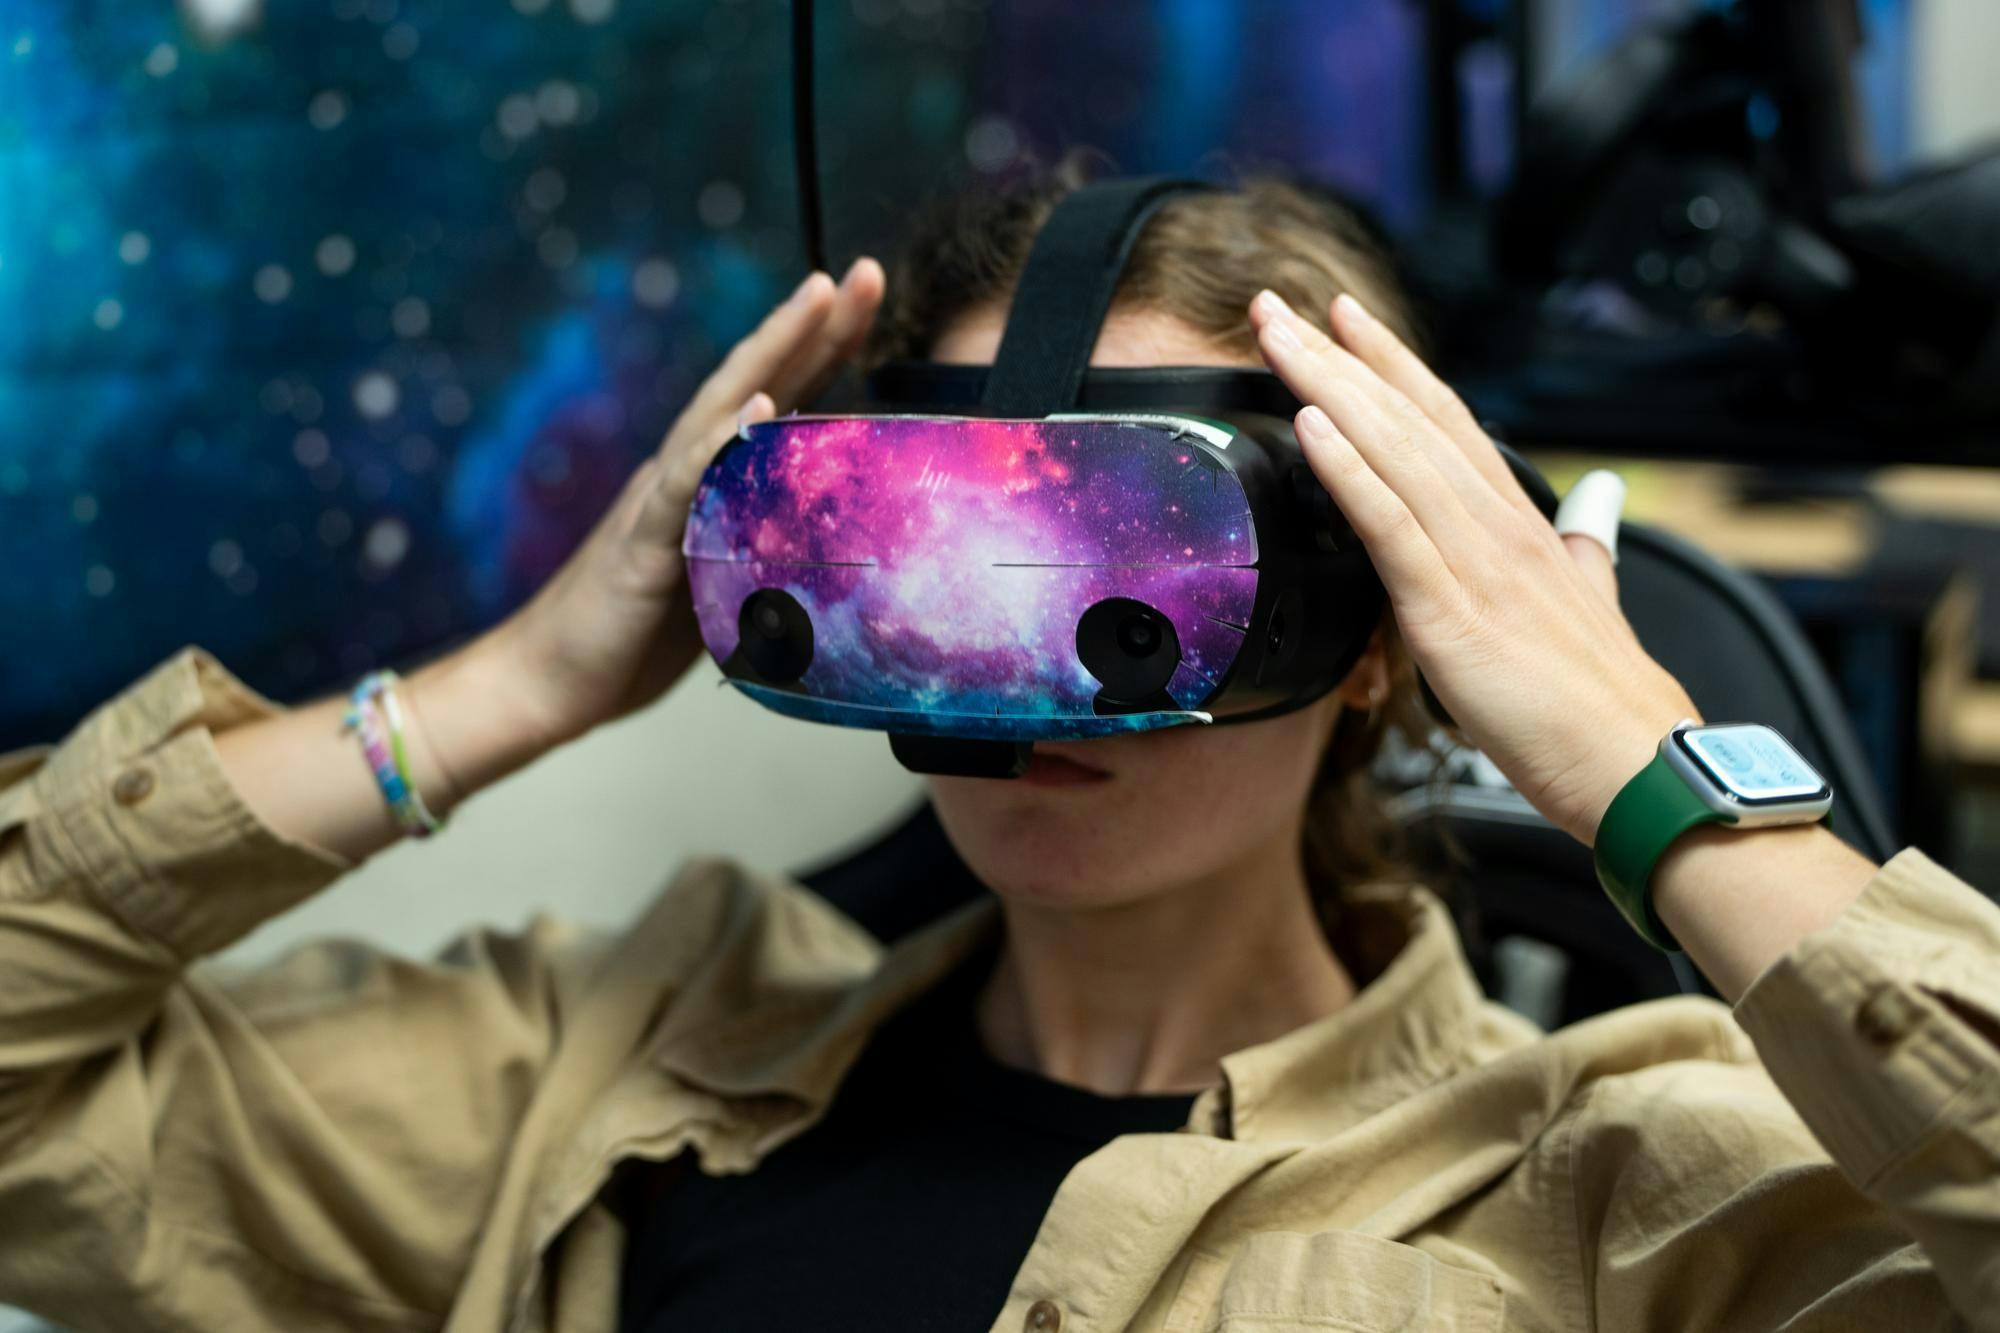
(945, 563)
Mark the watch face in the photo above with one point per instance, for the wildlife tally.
(1753, 763)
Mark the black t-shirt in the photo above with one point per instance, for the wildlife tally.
(910, 1205)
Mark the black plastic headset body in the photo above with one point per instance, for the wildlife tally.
(1318, 597)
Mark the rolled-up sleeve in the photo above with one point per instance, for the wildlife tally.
(304, 1145)
(1883, 1031)
(125, 853)
(134, 812)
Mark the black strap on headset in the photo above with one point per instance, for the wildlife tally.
(944, 386)
(1065, 290)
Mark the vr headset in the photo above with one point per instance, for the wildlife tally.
(1034, 550)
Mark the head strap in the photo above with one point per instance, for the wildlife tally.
(1065, 290)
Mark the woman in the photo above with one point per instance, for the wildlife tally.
(1200, 1061)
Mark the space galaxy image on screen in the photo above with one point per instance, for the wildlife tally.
(993, 578)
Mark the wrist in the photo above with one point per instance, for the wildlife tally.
(1624, 759)
(467, 728)
(1719, 847)
(1739, 899)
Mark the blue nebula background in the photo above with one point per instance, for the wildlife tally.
(327, 328)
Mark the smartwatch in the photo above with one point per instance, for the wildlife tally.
(1742, 774)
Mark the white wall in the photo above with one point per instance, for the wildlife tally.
(1955, 45)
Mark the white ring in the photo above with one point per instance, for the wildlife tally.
(1591, 509)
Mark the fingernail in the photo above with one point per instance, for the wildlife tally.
(1315, 423)
(799, 292)
(847, 278)
(1273, 304)
(1281, 333)
(1351, 307)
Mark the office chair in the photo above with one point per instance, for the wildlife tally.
(1534, 920)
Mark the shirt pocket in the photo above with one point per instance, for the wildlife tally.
(1332, 1280)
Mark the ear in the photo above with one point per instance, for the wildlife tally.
(1367, 685)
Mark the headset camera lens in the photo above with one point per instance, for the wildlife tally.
(1138, 635)
(776, 634)
(1130, 648)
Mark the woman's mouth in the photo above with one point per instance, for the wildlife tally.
(1046, 769)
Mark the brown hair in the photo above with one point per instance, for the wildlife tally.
(1201, 258)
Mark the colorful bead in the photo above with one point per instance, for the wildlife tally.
(375, 716)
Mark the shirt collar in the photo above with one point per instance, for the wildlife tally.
(1409, 1026)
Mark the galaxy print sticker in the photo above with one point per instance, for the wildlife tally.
(944, 564)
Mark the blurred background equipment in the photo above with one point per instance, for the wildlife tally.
(1709, 264)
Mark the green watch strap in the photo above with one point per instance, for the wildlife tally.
(1641, 822)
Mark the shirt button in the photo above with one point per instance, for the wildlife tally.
(1887, 1016)
(133, 786)
(1043, 1317)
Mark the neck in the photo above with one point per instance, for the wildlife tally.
(1148, 996)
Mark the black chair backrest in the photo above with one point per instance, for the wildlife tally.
(1723, 635)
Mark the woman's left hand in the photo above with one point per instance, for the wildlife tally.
(1517, 629)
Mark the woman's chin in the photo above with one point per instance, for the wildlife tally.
(1032, 863)
(1041, 890)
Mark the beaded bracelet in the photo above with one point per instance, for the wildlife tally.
(376, 717)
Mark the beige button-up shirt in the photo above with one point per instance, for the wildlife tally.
(348, 1140)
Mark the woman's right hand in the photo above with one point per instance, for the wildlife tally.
(615, 626)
